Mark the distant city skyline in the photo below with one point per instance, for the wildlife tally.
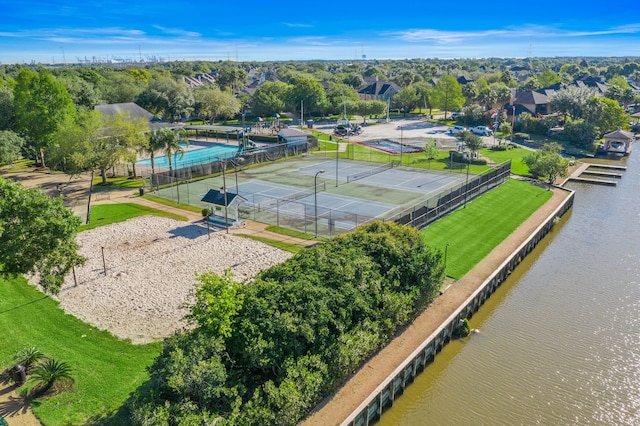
(60, 31)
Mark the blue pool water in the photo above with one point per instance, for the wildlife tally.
(207, 154)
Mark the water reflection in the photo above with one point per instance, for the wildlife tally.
(559, 341)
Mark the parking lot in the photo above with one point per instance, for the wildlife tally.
(413, 132)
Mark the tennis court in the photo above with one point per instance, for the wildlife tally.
(341, 194)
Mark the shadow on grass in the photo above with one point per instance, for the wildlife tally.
(124, 414)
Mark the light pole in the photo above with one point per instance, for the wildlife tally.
(239, 160)
(315, 199)
(466, 185)
(337, 151)
(224, 190)
(446, 249)
(401, 140)
(513, 120)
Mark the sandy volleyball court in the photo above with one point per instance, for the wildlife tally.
(151, 266)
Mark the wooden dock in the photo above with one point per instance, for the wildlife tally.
(597, 177)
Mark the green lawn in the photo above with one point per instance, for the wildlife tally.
(104, 214)
(106, 370)
(515, 155)
(290, 247)
(473, 232)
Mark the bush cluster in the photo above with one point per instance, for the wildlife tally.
(299, 330)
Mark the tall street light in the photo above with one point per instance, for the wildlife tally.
(315, 199)
(401, 140)
(224, 190)
(239, 160)
(466, 185)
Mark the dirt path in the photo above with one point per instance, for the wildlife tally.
(13, 407)
(340, 405)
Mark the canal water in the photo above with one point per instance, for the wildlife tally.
(559, 341)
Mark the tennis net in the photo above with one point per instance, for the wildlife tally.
(371, 172)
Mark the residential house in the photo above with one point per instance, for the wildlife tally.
(135, 111)
(379, 90)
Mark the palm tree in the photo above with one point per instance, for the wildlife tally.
(49, 372)
(157, 142)
(171, 147)
(28, 357)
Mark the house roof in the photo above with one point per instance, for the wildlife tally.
(530, 97)
(620, 135)
(134, 111)
(379, 88)
(216, 197)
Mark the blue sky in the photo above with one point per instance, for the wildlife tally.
(63, 31)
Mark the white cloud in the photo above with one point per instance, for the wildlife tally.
(297, 25)
(177, 31)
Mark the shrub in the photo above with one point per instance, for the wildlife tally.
(206, 212)
(463, 329)
(28, 357)
(519, 136)
(48, 373)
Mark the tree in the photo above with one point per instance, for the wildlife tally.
(447, 94)
(231, 78)
(309, 94)
(167, 99)
(571, 100)
(38, 235)
(78, 144)
(425, 93)
(619, 90)
(487, 97)
(353, 79)
(269, 98)
(212, 102)
(502, 91)
(505, 129)
(217, 300)
(606, 115)
(10, 146)
(41, 104)
(470, 92)
(547, 78)
(431, 150)
(7, 110)
(471, 141)
(122, 137)
(406, 99)
(547, 163)
(158, 140)
(172, 147)
(339, 95)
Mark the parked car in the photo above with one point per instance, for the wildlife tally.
(457, 129)
(347, 129)
(456, 114)
(481, 131)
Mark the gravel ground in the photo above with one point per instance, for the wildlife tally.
(151, 267)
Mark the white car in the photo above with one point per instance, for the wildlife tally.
(457, 129)
(481, 131)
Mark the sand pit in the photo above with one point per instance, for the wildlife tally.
(151, 266)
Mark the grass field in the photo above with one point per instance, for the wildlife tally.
(471, 233)
(106, 370)
(515, 155)
(104, 214)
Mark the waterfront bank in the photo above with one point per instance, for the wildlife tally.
(346, 400)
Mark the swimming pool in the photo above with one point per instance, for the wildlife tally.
(207, 154)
